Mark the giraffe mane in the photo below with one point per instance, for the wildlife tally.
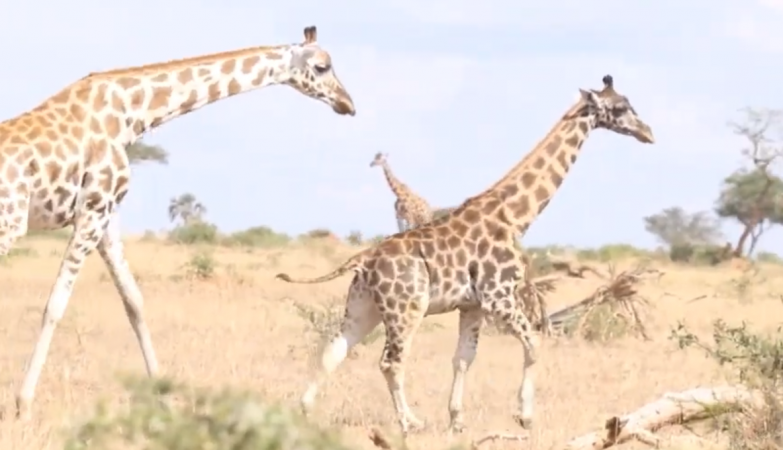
(186, 62)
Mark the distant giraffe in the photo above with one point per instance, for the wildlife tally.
(411, 209)
(64, 162)
(468, 261)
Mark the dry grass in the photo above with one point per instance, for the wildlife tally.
(240, 327)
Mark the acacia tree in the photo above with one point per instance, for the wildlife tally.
(674, 226)
(140, 152)
(187, 209)
(754, 196)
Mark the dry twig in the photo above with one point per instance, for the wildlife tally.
(497, 437)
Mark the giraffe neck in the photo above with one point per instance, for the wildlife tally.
(399, 189)
(525, 191)
(144, 97)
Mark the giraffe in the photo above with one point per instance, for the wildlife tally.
(64, 162)
(466, 261)
(410, 208)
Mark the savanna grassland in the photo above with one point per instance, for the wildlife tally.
(219, 318)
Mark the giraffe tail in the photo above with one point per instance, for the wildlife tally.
(352, 264)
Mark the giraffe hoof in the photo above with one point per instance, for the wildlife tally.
(23, 412)
(457, 428)
(525, 422)
(413, 426)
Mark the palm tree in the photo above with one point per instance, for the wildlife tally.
(186, 208)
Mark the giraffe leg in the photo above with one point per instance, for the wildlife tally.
(508, 312)
(399, 339)
(470, 322)
(88, 229)
(361, 317)
(111, 250)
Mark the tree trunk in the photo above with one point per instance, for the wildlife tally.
(755, 219)
(740, 248)
(755, 236)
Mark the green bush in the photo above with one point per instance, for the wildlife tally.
(165, 415)
(769, 257)
(195, 233)
(755, 360)
(681, 253)
(710, 255)
(260, 236)
(62, 234)
(318, 233)
(612, 252)
(355, 238)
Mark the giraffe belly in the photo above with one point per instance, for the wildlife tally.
(50, 216)
(445, 303)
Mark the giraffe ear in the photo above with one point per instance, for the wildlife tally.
(589, 96)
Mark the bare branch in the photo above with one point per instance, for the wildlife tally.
(758, 125)
(497, 437)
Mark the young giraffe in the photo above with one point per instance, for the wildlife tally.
(411, 209)
(466, 261)
(64, 162)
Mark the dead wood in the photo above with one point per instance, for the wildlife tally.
(672, 409)
(676, 408)
(621, 293)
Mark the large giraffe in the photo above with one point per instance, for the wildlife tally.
(467, 261)
(64, 162)
(410, 208)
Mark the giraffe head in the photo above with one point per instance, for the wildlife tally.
(379, 160)
(614, 112)
(312, 74)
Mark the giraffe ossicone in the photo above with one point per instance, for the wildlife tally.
(64, 163)
(411, 210)
(466, 261)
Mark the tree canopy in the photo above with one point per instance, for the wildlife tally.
(674, 226)
(140, 152)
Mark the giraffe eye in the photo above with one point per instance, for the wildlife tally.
(321, 69)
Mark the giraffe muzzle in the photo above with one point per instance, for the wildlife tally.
(644, 134)
(344, 109)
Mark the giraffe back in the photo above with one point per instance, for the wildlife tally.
(51, 153)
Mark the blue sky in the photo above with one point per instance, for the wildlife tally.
(455, 91)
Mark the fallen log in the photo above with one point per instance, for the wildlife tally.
(672, 409)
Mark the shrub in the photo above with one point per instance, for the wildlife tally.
(63, 234)
(377, 239)
(318, 233)
(699, 254)
(162, 414)
(194, 233)
(201, 266)
(769, 257)
(355, 238)
(681, 253)
(756, 361)
(16, 252)
(260, 236)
